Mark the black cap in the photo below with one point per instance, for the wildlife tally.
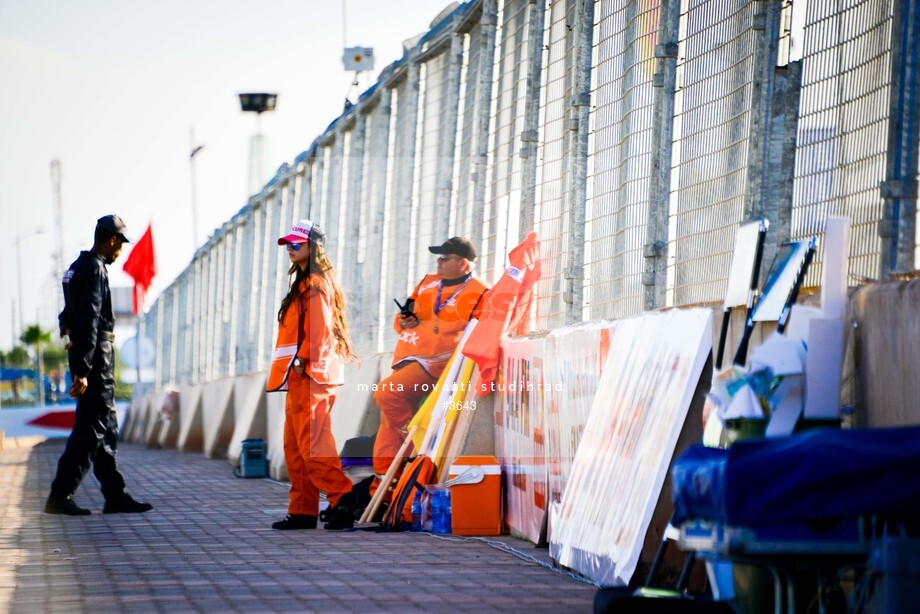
(113, 224)
(457, 246)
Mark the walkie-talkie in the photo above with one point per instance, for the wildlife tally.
(404, 310)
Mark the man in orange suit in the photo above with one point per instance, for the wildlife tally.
(429, 328)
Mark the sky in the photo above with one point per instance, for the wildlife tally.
(112, 89)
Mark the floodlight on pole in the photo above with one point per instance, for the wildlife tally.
(257, 103)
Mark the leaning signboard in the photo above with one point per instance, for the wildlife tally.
(643, 396)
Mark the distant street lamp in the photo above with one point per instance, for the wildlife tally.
(257, 103)
(20, 239)
(195, 149)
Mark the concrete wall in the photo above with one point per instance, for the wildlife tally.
(882, 353)
(215, 418)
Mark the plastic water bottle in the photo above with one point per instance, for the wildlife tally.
(417, 511)
(440, 512)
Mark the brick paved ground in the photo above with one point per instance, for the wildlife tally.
(208, 547)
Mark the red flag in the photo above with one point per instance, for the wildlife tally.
(501, 313)
(141, 265)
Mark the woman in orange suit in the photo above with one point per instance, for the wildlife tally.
(308, 362)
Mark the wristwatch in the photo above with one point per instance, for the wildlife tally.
(298, 362)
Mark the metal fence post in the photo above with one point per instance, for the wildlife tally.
(405, 260)
(655, 250)
(483, 104)
(898, 226)
(530, 138)
(449, 122)
(332, 206)
(580, 109)
(377, 153)
(762, 176)
(352, 222)
(783, 149)
(306, 187)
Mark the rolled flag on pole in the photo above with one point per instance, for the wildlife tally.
(506, 307)
(141, 265)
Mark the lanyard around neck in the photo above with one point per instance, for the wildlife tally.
(438, 305)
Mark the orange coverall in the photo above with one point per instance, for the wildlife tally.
(309, 447)
(420, 356)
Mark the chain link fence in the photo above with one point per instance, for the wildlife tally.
(632, 136)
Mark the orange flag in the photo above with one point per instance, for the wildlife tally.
(141, 265)
(501, 314)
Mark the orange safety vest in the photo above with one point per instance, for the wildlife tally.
(306, 332)
(443, 313)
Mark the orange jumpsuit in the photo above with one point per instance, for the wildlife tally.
(420, 356)
(309, 448)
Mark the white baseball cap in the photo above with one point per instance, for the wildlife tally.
(303, 231)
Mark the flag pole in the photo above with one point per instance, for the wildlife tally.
(137, 350)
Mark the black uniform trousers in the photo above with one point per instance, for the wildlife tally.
(94, 439)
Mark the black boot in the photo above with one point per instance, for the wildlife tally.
(125, 504)
(295, 522)
(61, 504)
(342, 516)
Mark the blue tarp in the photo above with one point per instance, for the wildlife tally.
(820, 475)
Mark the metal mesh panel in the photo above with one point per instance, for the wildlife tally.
(255, 357)
(167, 335)
(281, 264)
(241, 347)
(234, 290)
(712, 107)
(843, 126)
(183, 366)
(551, 216)
(212, 319)
(324, 164)
(173, 296)
(504, 188)
(620, 168)
(199, 307)
(348, 264)
(295, 201)
(268, 281)
(366, 332)
(462, 211)
(432, 99)
(333, 196)
(155, 325)
(395, 262)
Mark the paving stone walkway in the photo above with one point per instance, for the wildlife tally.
(208, 547)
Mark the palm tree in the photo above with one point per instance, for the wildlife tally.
(35, 336)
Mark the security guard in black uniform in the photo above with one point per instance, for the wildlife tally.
(88, 320)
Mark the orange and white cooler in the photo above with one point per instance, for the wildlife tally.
(476, 507)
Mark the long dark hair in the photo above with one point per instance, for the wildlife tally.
(319, 263)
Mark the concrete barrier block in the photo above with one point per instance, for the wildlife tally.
(249, 412)
(217, 417)
(884, 345)
(152, 422)
(277, 467)
(169, 414)
(139, 425)
(127, 425)
(191, 432)
(479, 438)
(355, 412)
